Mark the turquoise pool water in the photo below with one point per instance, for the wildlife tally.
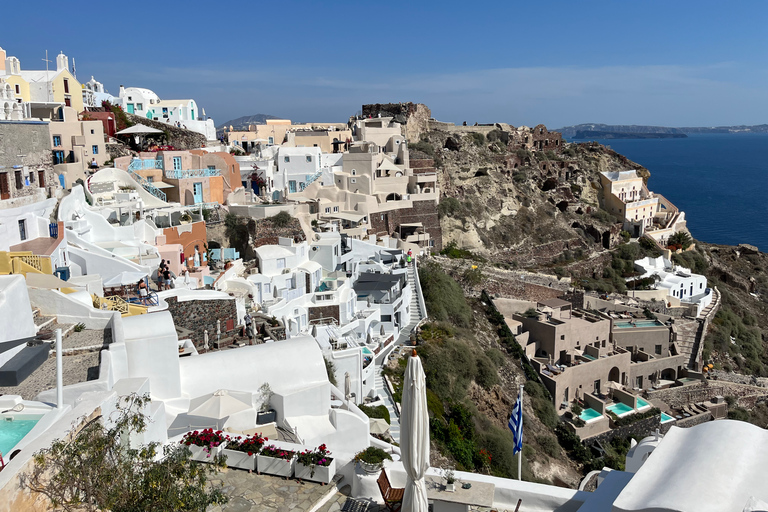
(11, 432)
(624, 324)
(642, 403)
(620, 409)
(666, 417)
(589, 414)
(366, 350)
(687, 379)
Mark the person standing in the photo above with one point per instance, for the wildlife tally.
(167, 278)
(143, 292)
(160, 270)
(248, 327)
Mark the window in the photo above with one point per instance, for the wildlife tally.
(66, 86)
(177, 163)
(211, 167)
(95, 150)
(165, 111)
(139, 106)
(67, 101)
(150, 179)
(291, 186)
(130, 98)
(280, 262)
(151, 101)
(335, 209)
(19, 181)
(58, 157)
(287, 159)
(18, 89)
(657, 349)
(327, 210)
(386, 318)
(309, 159)
(562, 336)
(354, 172)
(271, 140)
(353, 180)
(92, 132)
(57, 140)
(23, 229)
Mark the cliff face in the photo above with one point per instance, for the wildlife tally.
(503, 199)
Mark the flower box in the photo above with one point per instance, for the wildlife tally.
(322, 474)
(203, 453)
(275, 466)
(238, 459)
(269, 416)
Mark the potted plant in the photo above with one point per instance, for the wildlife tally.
(276, 461)
(205, 444)
(265, 414)
(316, 465)
(185, 218)
(241, 451)
(371, 460)
(450, 479)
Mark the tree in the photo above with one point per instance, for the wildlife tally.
(681, 238)
(97, 468)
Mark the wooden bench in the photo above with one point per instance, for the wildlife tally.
(393, 498)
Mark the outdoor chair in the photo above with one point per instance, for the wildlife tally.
(393, 497)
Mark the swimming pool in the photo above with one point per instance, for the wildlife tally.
(13, 429)
(666, 417)
(589, 415)
(367, 351)
(642, 404)
(624, 324)
(620, 409)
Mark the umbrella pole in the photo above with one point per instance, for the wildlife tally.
(520, 453)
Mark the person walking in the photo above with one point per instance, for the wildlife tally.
(167, 278)
(143, 292)
(160, 270)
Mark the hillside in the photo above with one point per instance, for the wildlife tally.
(577, 131)
(521, 208)
(241, 123)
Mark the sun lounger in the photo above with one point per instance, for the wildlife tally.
(547, 373)
(268, 430)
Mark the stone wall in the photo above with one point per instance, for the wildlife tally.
(641, 428)
(414, 117)
(199, 315)
(179, 138)
(33, 140)
(318, 312)
(421, 211)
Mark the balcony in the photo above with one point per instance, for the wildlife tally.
(178, 174)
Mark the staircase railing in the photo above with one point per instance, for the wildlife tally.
(139, 164)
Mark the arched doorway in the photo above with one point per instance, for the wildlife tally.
(614, 374)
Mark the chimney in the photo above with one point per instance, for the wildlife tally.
(122, 92)
(62, 62)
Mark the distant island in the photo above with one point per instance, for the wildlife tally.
(593, 134)
(241, 123)
(613, 131)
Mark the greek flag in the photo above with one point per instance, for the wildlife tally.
(516, 425)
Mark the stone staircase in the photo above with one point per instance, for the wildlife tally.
(50, 323)
(394, 417)
(415, 309)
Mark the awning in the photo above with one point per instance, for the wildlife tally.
(138, 129)
(162, 184)
(354, 217)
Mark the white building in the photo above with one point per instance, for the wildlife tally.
(94, 94)
(184, 113)
(679, 282)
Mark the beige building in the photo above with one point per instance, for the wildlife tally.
(579, 352)
(75, 144)
(626, 196)
(275, 132)
(329, 141)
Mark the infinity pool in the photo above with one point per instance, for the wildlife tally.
(11, 432)
(624, 324)
(620, 409)
(642, 404)
(589, 415)
(666, 417)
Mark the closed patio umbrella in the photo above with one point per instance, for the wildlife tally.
(414, 441)
(347, 386)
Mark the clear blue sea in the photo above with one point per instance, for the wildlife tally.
(720, 181)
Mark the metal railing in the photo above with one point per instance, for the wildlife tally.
(111, 303)
(148, 186)
(311, 178)
(177, 174)
(140, 164)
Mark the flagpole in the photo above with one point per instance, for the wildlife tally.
(520, 453)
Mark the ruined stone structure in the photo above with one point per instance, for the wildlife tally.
(413, 117)
(26, 161)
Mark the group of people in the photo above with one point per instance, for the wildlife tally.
(164, 276)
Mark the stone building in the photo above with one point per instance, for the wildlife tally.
(26, 166)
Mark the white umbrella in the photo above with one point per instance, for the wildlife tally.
(414, 439)
(218, 405)
(138, 129)
(378, 426)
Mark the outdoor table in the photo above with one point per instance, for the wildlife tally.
(480, 494)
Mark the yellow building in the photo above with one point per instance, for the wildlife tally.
(43, 89)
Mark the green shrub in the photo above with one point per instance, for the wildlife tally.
(549, 445)
(281, 219)
(373, 455)
(379, 411)
(423, 146)
(443, 296)
(478, 139)
(496, 356)
(487, 375)
(79, 327)
(450, 207)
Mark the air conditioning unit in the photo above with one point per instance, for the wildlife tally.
(286, 271)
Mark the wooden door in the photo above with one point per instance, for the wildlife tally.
(41, 178)
(5, 188)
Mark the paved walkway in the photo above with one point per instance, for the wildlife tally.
(249, 492)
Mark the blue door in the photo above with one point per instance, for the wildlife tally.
(130, 108)
(197, 192)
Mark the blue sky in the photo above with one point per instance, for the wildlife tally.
(680, 63)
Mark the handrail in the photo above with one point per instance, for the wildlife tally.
(140, 164)
(33, 261)
(148, 186)
(177, 174)
(418, 291)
